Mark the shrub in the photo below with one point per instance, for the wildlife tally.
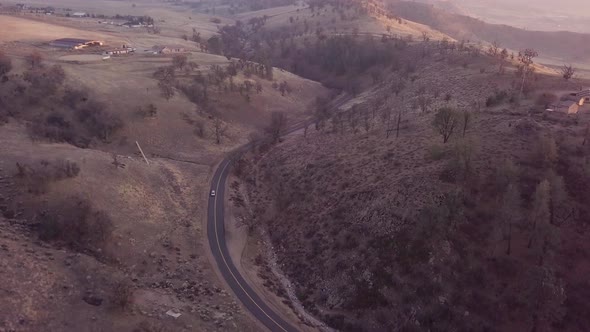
(98, 122)
(37, 178)
(75, 223)
(72, 97)
(5, 64)
(498, 98)
(122, 295)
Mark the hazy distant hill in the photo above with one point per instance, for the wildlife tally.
(574, 7)
(546, 15)
(556, 46)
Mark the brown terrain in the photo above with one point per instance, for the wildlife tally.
(382, 233)
(556, 47)
(138, 250)
(363, 221)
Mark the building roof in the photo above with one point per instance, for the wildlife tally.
(158, 48)
(74, 42)
(584, 93)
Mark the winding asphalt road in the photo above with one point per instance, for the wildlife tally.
(216, 236)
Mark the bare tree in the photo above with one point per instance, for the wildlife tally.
(547, 151)
(494, 48)
(5, 64)
(558, 210)
(366, 120)
(425, 40)
(166, 89)
(506, 174)
(424, 101)
(466, 120)
(397, 85)
(353, 119)
(399, 118)
(509, 215)
(386, 119)
(388, 128)
(445, 122)
(568, 72)
(200, 128)
(543, 239)
(179, 61)
(503, 57)
(526, 58)
(166, 78)
(278, 123)
(196, 37)
(34, 60)
(220, 129)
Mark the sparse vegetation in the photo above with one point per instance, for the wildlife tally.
(568, 72)
(277, 125)
(54, 112)
(5, 65)
(37, 178)
(122, 295)
(76, 223)
(445, 122)
(476, 225)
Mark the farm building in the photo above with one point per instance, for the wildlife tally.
(74, 43)
(119, 51)
(167, 49)
(568, 107)
(132, 24)
(79, 14)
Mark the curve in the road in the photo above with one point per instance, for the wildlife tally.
(216, 237)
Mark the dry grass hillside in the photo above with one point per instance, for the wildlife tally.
(482, 233)
(337, 19)
(557, 47)
(93, 238)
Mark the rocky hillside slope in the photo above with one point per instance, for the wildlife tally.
(382, 232)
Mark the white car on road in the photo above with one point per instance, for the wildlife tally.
(212, 193)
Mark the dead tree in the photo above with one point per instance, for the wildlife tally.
(568, 72)
(494, 48)
(466, 120)
(366, 120)
(424, 102)
(445, 122)
(526, 59)
(278, 123)
(399, 118)
(34, 60)
(220, 129)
